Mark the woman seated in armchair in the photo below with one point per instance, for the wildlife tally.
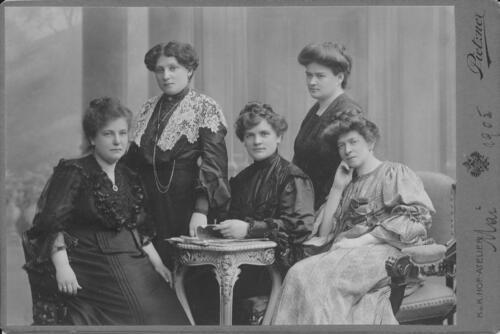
(374, 209)
(271, 198)
(90, 250)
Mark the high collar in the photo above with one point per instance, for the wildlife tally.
(267, 161)
(357, 177)
(177, 97)
(332, 104)
(95, 166)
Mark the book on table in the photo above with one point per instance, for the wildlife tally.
(207, 235)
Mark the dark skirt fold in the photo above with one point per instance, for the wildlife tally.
(119, 288)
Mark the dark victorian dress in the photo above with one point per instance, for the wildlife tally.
(104, 231)
(318, 160)
(180, 153)
(276, 198)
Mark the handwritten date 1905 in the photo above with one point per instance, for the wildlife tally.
(487, 134)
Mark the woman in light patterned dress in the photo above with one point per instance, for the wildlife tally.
(374, 209)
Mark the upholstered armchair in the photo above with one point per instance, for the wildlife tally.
(423, 278)
(49, 307)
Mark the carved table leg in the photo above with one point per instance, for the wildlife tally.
(181, 292)
(275, 292)
(226, 272)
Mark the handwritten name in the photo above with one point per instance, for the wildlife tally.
(480, 53)
(487, 235)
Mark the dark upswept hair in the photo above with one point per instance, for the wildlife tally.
(346, 123)
(329, 54)
(101, 111)
(183, 52)
(253, 113)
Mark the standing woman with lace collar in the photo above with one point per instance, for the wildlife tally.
(178, 147)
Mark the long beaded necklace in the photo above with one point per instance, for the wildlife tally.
(162, 188)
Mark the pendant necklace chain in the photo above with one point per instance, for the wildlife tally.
(162, 188)
(111, 178)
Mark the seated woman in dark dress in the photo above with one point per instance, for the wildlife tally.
(271, 198)
(91, 235)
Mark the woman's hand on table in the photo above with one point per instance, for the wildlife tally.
(233, 228)
(66, 280)
(197, 219)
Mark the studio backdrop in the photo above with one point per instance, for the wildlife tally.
(59, 58)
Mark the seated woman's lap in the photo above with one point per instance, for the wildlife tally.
(337, 267)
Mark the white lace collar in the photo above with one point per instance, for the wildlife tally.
(195, 111)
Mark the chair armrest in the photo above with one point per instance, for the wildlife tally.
(399, 268)
(425, 254)
(433, 259)
(414, 260)
(405, 269)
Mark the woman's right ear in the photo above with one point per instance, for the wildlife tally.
(340, 77)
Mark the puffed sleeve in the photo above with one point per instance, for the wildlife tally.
(212, 188)
(410, 208)
(55, 210)
(294, 222)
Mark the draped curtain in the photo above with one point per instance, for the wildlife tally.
(403, 69)
(58, 58)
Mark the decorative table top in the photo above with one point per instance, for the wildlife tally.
(221, 245)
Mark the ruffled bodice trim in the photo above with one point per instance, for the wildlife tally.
(116, 209)
(80, 196)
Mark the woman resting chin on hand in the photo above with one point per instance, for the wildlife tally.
(374, 209)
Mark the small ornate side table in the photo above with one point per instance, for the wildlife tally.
(226, 259)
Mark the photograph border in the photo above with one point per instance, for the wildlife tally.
(478, 189)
